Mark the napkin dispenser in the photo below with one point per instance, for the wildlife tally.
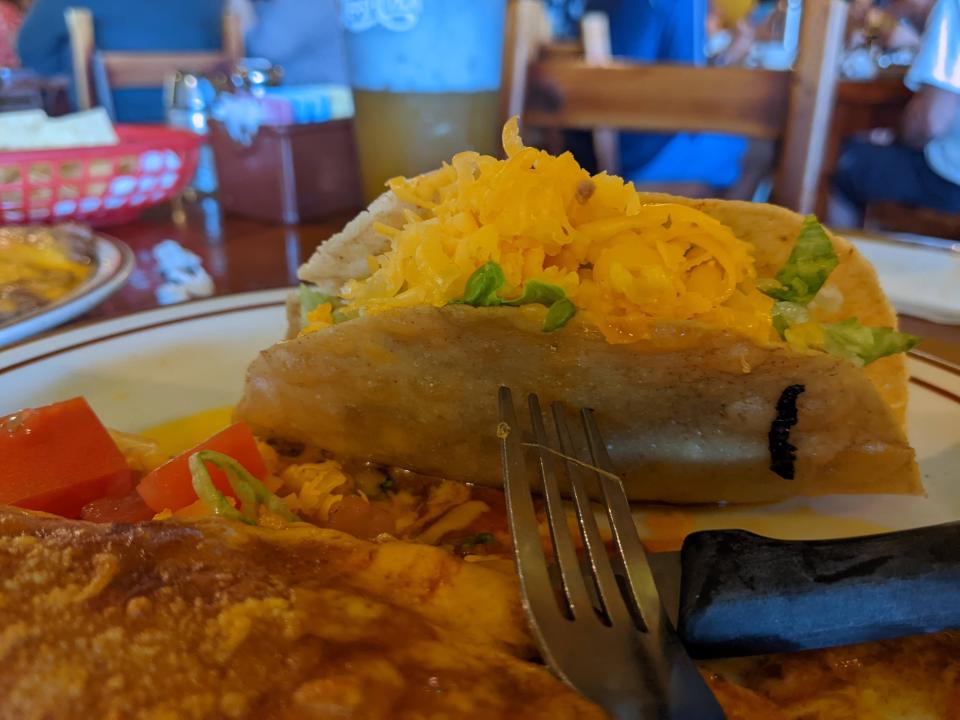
(288, 173)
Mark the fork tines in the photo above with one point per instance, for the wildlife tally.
(608, 636)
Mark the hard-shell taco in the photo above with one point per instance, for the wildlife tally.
(731, 351)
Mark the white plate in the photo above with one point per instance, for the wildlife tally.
(114, 262)
(920, 279)
(144, 369)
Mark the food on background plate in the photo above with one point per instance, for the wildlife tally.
(733, 352)
(39, 265)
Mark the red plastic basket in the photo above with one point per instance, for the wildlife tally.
(99, 186)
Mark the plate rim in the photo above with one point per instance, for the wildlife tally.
(64, 340)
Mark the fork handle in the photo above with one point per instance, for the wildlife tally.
(744, 594)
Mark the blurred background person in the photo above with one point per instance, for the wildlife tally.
(304, 37)
(733, 26)
(921, 167)
(134, 25)
(893, 25)
(11, 15)
(693, 164)
(565, 16)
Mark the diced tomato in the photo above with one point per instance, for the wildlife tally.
(58, 458)
(170, 486)
(127, 509)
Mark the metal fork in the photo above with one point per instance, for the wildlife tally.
(609, 636)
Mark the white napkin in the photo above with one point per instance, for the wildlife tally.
(33, 130)
(920, 281)
(183, 272)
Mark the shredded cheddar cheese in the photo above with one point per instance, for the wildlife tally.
(320, 317)
(625, 264)
(317, 488)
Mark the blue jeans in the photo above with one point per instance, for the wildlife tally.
(868, 173)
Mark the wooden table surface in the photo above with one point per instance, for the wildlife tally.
(243, 255)
(239, 254)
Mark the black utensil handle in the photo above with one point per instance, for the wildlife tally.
(744, 594)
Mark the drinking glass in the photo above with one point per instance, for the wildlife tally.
(425, 77)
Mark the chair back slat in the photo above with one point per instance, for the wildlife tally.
(630, 96)
(813, 94)
(79, 22)
(793, 107)
(597, 50)
(97, 73)
(143, 70)
(526, 31)
(233, 44)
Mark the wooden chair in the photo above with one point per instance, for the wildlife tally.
(564, 90)
(98, 73)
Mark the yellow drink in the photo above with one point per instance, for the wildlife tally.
(733, 11)
(407, 133)
(425, 76)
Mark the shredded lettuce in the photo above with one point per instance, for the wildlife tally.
(849, 339)
(250, 492)
(559, 314)
(862, 345)
(482, 286)
(786, 314)
(808, 267)
(543, 293)
(487, 280)
(310, 298)
(797, 284)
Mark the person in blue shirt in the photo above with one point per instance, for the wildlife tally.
(132, 25)
(671, 31)
(304, 37)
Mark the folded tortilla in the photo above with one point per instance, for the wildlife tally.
(691, 414)
(657, 312)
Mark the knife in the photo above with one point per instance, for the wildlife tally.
(732, 593)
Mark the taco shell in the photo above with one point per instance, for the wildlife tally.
(691, 414)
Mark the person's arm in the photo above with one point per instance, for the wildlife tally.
(43, 37)
(930, 113)
(738, 50)
(915, 11)
(934, 77)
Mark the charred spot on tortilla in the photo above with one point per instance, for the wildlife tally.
(585, 190)
(783, 455)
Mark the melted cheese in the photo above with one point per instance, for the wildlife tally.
(183, 433)
(624, 263)
(41, 269)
